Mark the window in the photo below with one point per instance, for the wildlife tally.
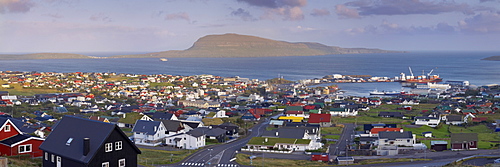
(52, 158)
(25, 148)
(46, 156)
(108, 147)
(121, 162)
(118, 145)
(7, 128)
(105, 164)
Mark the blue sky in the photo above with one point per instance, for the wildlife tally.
(159, 25)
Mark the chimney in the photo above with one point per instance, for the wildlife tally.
(86, 146)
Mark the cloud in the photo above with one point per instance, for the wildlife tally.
(100, 17)
(275, 3)
(400, 7)
(387, 27)
(484, 22)
(178, 16)
(243, 14)
(53, 15)
(487, 1)
(320, 12)
(345, 12)
(287, 9)
(15, 6)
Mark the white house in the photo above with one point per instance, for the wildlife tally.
(149, 133)
(190, 140)
(429, 121)
(343, 112)
(406, 139)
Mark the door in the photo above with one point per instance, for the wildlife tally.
(58, 161)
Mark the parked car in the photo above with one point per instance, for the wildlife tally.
(496, 161)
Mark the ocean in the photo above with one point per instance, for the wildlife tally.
(456, 66)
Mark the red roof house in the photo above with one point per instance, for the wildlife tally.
(14, 142)
(323, 120)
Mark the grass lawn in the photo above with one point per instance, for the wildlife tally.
(212, 121)
(22, 161)
(150, 157)
(388, 160)
(244, 159)
(368, 120)
(441, 132)
(331, 136)
(331, 130)
(485, 135)
(17, 89)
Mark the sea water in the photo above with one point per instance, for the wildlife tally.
(461, 66)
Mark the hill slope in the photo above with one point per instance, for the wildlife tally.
(43, 56)
(235, 45)
(492, 58)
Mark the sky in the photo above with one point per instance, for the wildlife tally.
(75, 26)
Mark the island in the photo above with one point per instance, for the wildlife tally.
(492, 58)
(224, 45)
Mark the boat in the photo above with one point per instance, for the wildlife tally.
(376, 92)
(385, 93)
(163, 59)
(419, 79)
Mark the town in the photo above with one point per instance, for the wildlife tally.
(111, 119)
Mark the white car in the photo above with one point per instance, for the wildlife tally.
(496, 161)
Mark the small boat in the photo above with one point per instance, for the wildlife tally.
(376, 92)
(163, 59)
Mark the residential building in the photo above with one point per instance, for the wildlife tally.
(97, 144)
(464, 141)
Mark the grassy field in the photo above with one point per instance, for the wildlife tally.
(331, 130)
(244, 159)
(16, 89)
(331, 136)
(485, 135)
(368, 120)
(388, 160)
(150, 157)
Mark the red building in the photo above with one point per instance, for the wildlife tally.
(324, 120)
(15, 142)
(323, 157)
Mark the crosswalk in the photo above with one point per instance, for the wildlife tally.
(203, 164)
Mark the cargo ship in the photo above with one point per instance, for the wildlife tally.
(419, 79)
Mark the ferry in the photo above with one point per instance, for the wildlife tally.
(376, 92)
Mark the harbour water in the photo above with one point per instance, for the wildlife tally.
(449, 65)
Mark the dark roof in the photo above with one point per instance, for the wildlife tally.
(454, 118)
(72, 127)
(390, 114)
(463, 137)
(148, 127)
(162, 115)
(395, 135)
(172, 125)
(15, 139)
(195, 133)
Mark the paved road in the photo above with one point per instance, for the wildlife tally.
(221, 155)
(345, 139)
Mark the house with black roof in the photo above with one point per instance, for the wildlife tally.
(231, 129)
(213, 133)
(390, 114)
(83, 142)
